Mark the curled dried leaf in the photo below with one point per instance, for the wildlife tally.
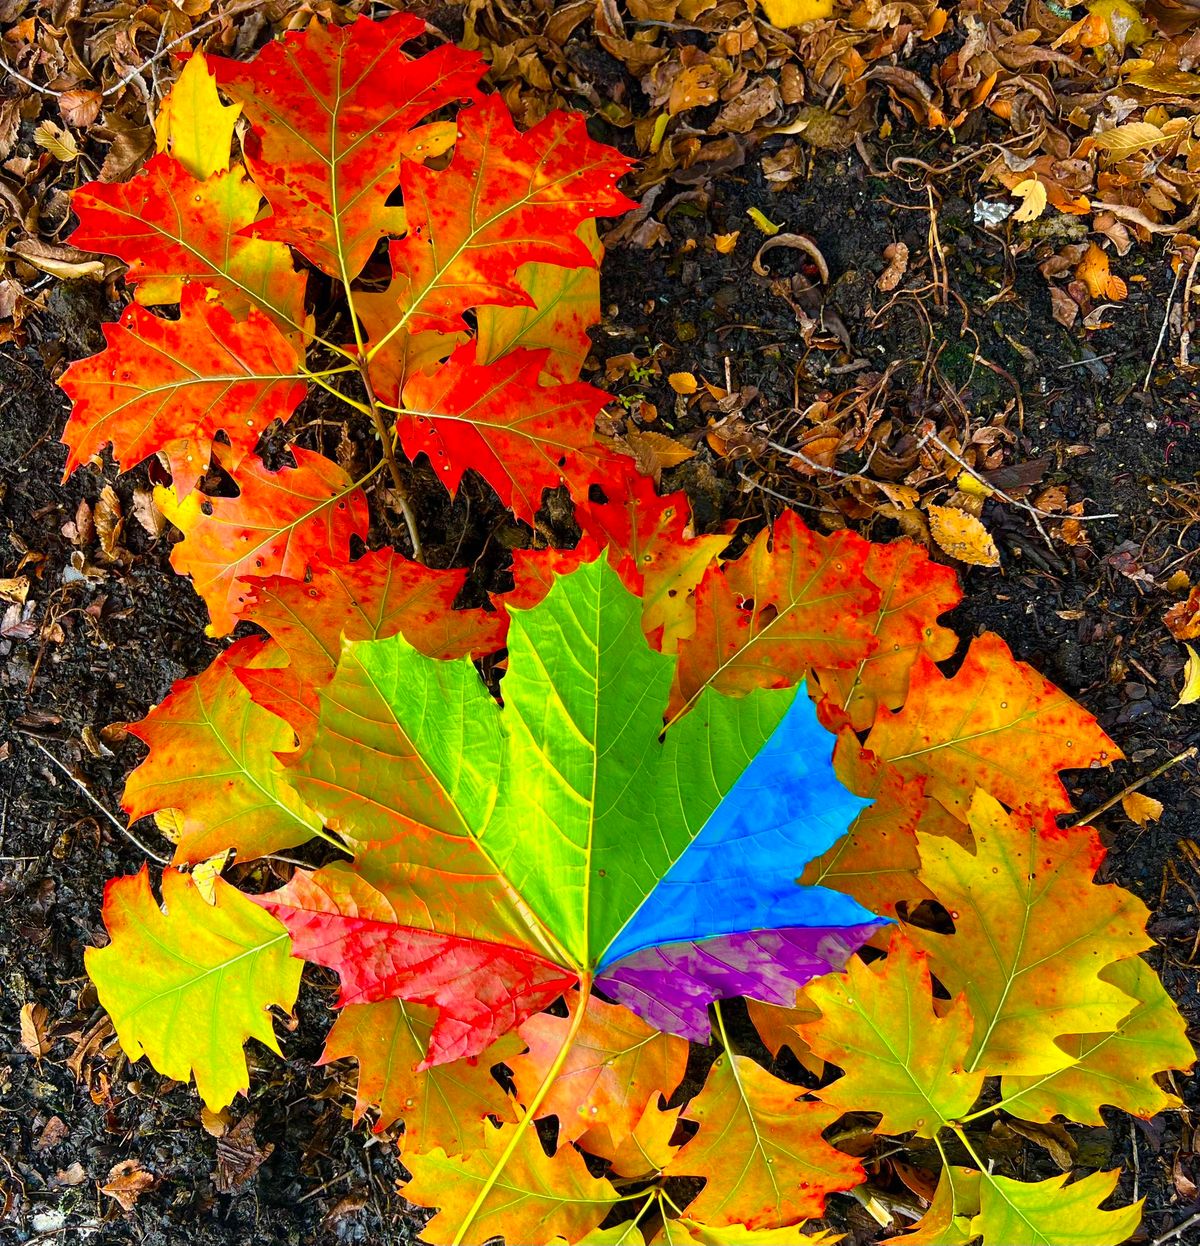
(798, 242)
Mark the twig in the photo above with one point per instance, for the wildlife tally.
(83, 787)
(758, 484)
(1036, 512)
(1162, 332)
(1186, 755)
(1185, 336)
(817, 467)
(1177, 1230)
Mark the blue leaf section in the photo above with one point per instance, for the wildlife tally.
(739, 873)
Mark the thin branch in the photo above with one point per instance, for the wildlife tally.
(1186, 755)
(83, 787)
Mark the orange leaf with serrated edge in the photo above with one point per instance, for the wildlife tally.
(876, 861)
(760, 1150)
(914, 592)
(520, 436)
(616, 1065)
(172, 385)
(793, 601)
(646, 1149)
(279, 524)
(535, 570)
(647, 542)
(536, 1199)
(378, 595)
(333, 112)
(1030, 972)
(213, 759)
(505, 199)
(899, 1057)
(995, 724)
(170, 228)
(447, 1106)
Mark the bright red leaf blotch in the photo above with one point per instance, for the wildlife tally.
(481, 990)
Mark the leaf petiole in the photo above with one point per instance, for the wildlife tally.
(531, 1110)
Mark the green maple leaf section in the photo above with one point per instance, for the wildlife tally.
(573, 807)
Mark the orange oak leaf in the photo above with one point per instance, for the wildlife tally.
(648, 543)
(333, 113)
(521, 437)
(900, 1057)
(505, 199)
(876, 861)
(170, 228)
(793, 601)
(173, 384)
(777, 1027)
(447, 1106)
(539, 1198)
(213, 760)
(1030, 973)
(378, 595)
(279, 524)
(914, 591)
(760, 1150)
(615, 1067)
(995, 724)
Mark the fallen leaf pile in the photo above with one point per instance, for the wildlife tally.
(712, 771)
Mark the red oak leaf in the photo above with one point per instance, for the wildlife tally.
(168, 228)
(379, 595)
(280, 523)
(649, 544)
(520, 436)
(480, 989)
(333, 112)
(505, 199)
(171, 385)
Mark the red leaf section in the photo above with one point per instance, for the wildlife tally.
(280, 523)
(522, 437)
(333, 111)
(505, 199)
(379, 595)
(174, 384)
(170, 228)
(535, 570)
(481, 990)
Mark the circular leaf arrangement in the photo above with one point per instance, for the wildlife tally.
(721, 805)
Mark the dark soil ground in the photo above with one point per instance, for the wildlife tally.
(1089, 619)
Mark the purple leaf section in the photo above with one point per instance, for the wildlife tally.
(671, 986)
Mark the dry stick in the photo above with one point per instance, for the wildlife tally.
(1035, 511)
(88, 793)
(1185, 336)
(1162, 332)
(1186, 755)
(1171, 1234)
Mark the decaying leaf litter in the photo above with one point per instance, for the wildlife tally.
(978, 420)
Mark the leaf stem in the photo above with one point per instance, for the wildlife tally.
(585, 991)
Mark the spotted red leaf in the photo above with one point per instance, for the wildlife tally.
(520, 436)
(334, 111)
(172, 385)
